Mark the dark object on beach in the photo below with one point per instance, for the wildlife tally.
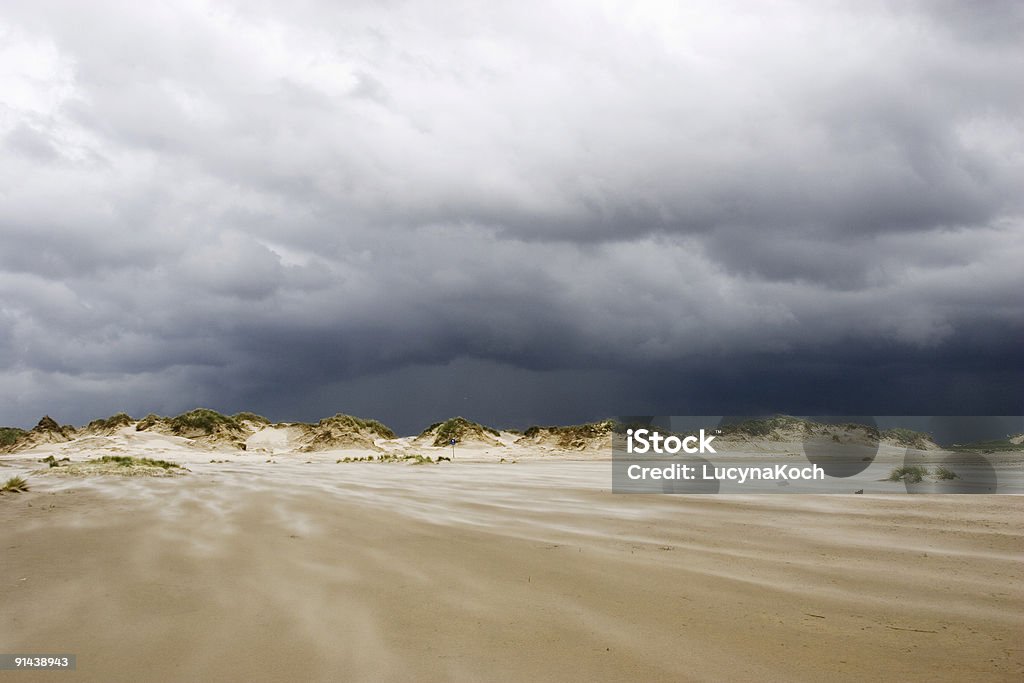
(859, 491)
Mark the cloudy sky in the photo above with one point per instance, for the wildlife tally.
(520, 212)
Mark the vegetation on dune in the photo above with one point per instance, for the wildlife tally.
(14, 485)
(456, 428)
(908, 473)
(588, 429)
(10, 435)
(149, 422)
(907, 438)
(574, 436)
(46, 431)
(344, 431)
(351, 423)
(203, 420)
(250, 417)
(993, 446)
(128, 461)
(914, 474)
(120, 465)
(47, 424)
(761, 427)
(777, 426)
(113, 422)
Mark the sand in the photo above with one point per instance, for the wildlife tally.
(475, 571)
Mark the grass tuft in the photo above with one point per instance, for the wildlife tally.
(945, 474)
(14, 485)
(908, 473)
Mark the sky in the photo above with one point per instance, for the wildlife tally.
(524, 213)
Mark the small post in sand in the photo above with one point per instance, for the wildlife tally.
(452, 442)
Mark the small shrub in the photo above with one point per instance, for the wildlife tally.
(944, 473)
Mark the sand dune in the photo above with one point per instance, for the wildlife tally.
(474, 571)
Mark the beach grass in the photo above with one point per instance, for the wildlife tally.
(10, 435)
(14, 485)
(909, 473)
(128, 461)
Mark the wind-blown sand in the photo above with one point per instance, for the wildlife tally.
(475, 571)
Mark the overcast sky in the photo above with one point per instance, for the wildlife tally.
(520, 212)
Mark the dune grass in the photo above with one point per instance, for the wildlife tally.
(201, 420)
(907, 437)
(128, 461)
(457, 428)
(574, 437)
(909, 473)
(250, 417)
(112, 422)
(10, 435)
(353, 424)
(914, 474)
(204, 420)
(766, 426)
(14, 485)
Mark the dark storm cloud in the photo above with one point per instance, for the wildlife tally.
(408, 210)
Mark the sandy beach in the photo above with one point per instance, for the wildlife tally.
(410, 342)
(476, 571)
